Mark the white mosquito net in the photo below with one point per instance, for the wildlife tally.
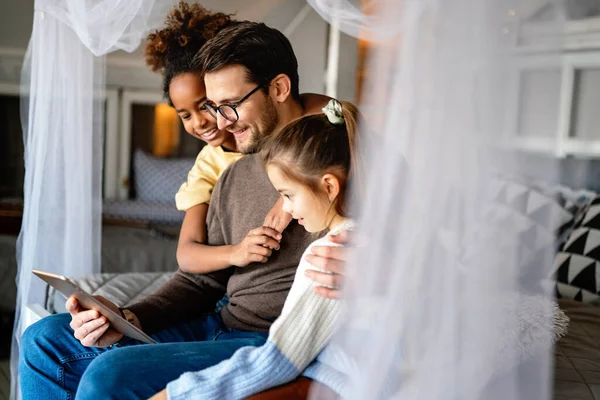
(439, 305)
(436, 298)
(62, 92)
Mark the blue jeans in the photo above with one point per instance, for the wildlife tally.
(54, 365)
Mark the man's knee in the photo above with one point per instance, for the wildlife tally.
(44, 336)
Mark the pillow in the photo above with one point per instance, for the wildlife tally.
(542, 207)
(576, 266)
(156, 180)
(522, 217)
(574, 201)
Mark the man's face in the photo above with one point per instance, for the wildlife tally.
(258, 115)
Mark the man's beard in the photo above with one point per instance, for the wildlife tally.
(268, 121)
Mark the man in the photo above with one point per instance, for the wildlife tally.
(252, 79)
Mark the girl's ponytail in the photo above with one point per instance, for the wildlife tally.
(353, 121)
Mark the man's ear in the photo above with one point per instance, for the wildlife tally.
(281, 88)
(331, 185)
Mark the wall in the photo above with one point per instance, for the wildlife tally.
(348, 68)
(16, 19)
(309, 43)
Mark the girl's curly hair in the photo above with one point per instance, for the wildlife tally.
(172, 49)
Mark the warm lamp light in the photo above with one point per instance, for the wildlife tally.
(166, 130)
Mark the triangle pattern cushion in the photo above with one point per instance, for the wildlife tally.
(565, 291)
(516, 194)
(561, 265)
(592, 243)
(523, 217)
(576, 241)
(592, 215)
(586, 278)
(577, 264)
(533, 203)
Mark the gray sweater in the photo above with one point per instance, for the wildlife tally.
(240, 201)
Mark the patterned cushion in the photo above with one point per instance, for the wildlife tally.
(576, 267)
(540, 207)
(522, 217)
(158, 179)
(574, 201)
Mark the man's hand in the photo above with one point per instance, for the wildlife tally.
(91, 328)
(277, 218)
(332, 259)
(257, 246)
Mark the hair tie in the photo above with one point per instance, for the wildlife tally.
(333, 111)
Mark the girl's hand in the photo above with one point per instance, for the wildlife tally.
(277, 218)
(162, 395)
(257, 246)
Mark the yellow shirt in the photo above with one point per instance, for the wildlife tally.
(202, 178)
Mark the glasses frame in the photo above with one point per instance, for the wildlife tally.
(212, 110)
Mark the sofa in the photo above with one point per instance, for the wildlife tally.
(577, 353)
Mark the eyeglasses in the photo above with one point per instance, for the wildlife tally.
(229, 111)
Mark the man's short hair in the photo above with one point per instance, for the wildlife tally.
(265, 53)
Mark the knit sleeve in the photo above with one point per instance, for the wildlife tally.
(183, 297)
(295, 339)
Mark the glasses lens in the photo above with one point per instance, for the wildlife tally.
(211, 110)
(229, 113)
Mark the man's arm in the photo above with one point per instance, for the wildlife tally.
(184, 297)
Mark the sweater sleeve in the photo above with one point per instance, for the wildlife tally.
(182, 298)
(295, 339)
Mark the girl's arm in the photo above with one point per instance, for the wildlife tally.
(295, 339)
(195, 256)
(277, 218)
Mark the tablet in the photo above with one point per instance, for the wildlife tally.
(68, 289)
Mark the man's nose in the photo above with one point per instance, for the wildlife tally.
(222, 122)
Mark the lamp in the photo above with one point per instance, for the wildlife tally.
(165, 130)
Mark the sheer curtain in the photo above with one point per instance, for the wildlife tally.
(433, 300)
(436, 296)
(62, 114)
